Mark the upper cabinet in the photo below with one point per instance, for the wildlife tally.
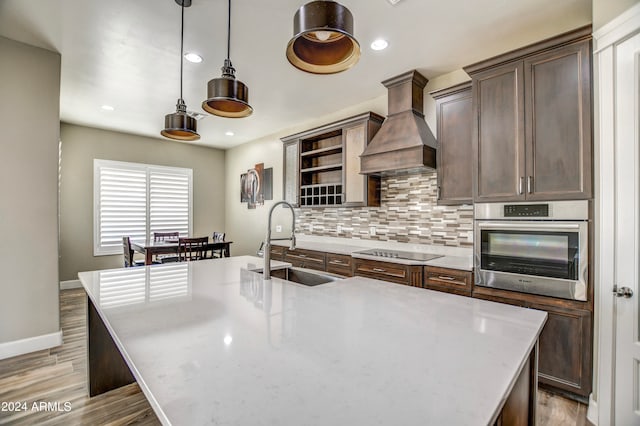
(532, 134)
(322, 165)
(454, 115)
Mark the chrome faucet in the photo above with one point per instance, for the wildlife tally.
(267, 243)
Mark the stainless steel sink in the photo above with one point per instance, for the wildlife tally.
(304, 276)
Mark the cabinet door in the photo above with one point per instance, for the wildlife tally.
(359, 190)
(558, 118)
(455, 165)
(498, 134)
(291, 171)
(340, 264)
(448, 280)
(565, 350)
(306, 259)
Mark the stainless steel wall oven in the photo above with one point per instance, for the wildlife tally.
(538, 248)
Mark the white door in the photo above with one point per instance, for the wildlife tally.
(627, 246)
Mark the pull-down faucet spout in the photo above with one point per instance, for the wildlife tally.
(267, 243)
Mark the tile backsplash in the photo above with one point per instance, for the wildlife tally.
(408, 213)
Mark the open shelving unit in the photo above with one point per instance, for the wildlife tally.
(321, 165)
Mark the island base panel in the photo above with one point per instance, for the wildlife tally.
(520, 406)
(106, 369)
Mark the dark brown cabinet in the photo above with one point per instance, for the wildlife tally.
(532, 122)
(305, 258)
(454, 115)
(566, 341)
(449, 280)
(322, 165)
(386, 271)
(340, 264)
(565, 350)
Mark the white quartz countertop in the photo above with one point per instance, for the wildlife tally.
(458, 261)
(211, 342)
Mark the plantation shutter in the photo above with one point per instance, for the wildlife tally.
(136, 200)
(169, 194)
(121, 206)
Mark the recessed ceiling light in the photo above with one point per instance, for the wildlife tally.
(193, 57)
(107, 107)
(229, 133)
(379, 44)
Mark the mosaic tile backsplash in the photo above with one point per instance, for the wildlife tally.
(408, 213)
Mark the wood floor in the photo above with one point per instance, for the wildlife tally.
(58, 375)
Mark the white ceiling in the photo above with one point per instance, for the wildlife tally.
(126, 54)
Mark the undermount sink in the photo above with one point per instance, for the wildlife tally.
(304, 276)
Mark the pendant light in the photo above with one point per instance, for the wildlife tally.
(179, 125)
(323, 41)
(226, 96)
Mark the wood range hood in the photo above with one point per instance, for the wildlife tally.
(404, 142)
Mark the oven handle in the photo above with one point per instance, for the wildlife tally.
(516, 225)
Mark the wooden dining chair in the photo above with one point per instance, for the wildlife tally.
(128, 254)
(166, 236)
(218, 237)
(192, 248)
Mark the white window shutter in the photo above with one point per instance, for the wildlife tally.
(136, 200)
(122, 207)
(169, 201)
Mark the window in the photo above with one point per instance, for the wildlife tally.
(136, 200)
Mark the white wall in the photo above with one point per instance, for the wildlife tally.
(249, 226)
(605, 10)
(30, 93)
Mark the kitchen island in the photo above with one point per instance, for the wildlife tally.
(211, 342)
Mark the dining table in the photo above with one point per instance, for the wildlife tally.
(150, 248)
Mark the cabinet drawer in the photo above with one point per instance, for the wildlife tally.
(306, 259)
(277, 252)
(449, 280)
(340, 264)
(386, 271)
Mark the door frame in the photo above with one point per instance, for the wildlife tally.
(601, 402)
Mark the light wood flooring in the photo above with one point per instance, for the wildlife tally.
(59, 375)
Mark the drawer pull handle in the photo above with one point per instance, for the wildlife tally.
(441, 277)
(337, 262)
(302, 255)
(379, 270)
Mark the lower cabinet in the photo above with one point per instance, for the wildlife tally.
(448, 280)
(566, 350)
(566, 342)
(277, 252)
(305, 259)
(394, 272)
(340, 264)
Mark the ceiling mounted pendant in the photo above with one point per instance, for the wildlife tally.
(179, 125)
(323, 41)
(226, 96)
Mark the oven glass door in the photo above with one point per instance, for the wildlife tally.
(550, 254)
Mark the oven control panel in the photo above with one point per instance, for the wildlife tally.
(526, 210)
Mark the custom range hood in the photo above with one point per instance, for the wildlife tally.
(404, 142)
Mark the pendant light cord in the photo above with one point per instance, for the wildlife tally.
(229, 32)
(181, 47)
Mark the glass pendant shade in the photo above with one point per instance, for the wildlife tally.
(323, 41)
(226, 96)
(179, 125)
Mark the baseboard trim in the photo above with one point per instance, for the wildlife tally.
(30, 344)
(67, 285)
(592, 411)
